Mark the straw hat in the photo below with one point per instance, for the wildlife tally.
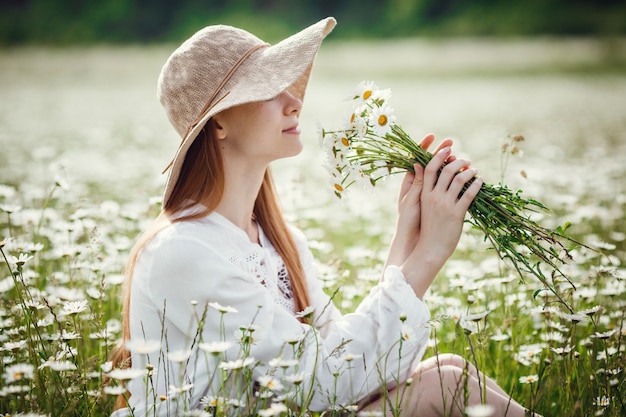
(221, 67)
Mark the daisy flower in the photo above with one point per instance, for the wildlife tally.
(223, 309)
(479, 410)
(143, 347)
(364, 91)
(381, 120)
(215, 348)
(179, 356)
(18, 372)
(529, 379)
(126, 374)
(236, 364)
(271, 383)
(275, 409)
(74, 307)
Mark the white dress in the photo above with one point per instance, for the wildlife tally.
(192, 264)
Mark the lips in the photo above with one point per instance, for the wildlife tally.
(295, 129)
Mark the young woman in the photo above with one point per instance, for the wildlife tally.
(219, 279)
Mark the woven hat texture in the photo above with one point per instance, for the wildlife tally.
(221, 67)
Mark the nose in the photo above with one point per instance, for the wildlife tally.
(292, 103)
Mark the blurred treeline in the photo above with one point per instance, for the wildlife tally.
(118, 21)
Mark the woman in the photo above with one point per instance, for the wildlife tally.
(219, 278)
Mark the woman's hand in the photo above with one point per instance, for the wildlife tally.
(442, 207)
(408, 224)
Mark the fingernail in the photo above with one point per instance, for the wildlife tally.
(446, 149)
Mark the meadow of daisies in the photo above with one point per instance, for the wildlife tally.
(83, 142)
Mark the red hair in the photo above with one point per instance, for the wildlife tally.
(201, 180)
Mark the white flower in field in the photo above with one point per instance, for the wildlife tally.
(282, 363)
(236, 364)
(381, 119)
(562, 351)
(59, 366)
(370, 413)
(603, 401)
(574, 318)
(223, 309)
(603, 335)
(179, 355)
(20, 260)
(592, 311)
(476, 316)
(529, 379)
(174, 390)
(7, 284)
(10, 208)
(126, 374)
(529, 354)
(271, 383)
(468, 327)
(212, 401)
(107, 366)
(296, 338)
(13, 390)
(307, 312)
(275, 409)
(18, 372)
(143, 347)
(500, 337)
(196, 413)
(407, 334)
(236, 402)
(74, 307)
(215, 348)
(114, 390)
(479, 410)
(65, 335)
(295, 379)
(552, 337)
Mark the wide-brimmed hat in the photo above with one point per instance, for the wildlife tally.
(221, 67)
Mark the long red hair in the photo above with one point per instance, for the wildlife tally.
(201, 180)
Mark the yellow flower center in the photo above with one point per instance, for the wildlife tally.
(344, 141)
(352, 118)
(18, 375)
(338, 187)
(382, 120)
(367, 94)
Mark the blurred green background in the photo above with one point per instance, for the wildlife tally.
(54, 22)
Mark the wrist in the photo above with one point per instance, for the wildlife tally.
(421, 267)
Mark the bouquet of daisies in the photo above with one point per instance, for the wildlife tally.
(372, 146)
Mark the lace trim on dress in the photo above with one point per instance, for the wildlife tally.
(266, 265)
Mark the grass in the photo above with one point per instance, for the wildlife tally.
(59, 310)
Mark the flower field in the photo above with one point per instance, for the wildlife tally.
(83, 142)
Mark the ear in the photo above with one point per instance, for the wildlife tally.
(218, 129)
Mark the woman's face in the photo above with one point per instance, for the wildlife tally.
(261, 131)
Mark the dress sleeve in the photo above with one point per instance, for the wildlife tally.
(354, 355)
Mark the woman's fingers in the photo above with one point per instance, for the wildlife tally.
(427, 141)
(471, 192)
(431, 170)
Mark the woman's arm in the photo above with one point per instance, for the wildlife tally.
(443, 206)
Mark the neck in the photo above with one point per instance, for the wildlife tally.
(241, 189)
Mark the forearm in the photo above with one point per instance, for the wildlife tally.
(421, 268)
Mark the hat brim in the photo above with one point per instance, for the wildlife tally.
(268, 72)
